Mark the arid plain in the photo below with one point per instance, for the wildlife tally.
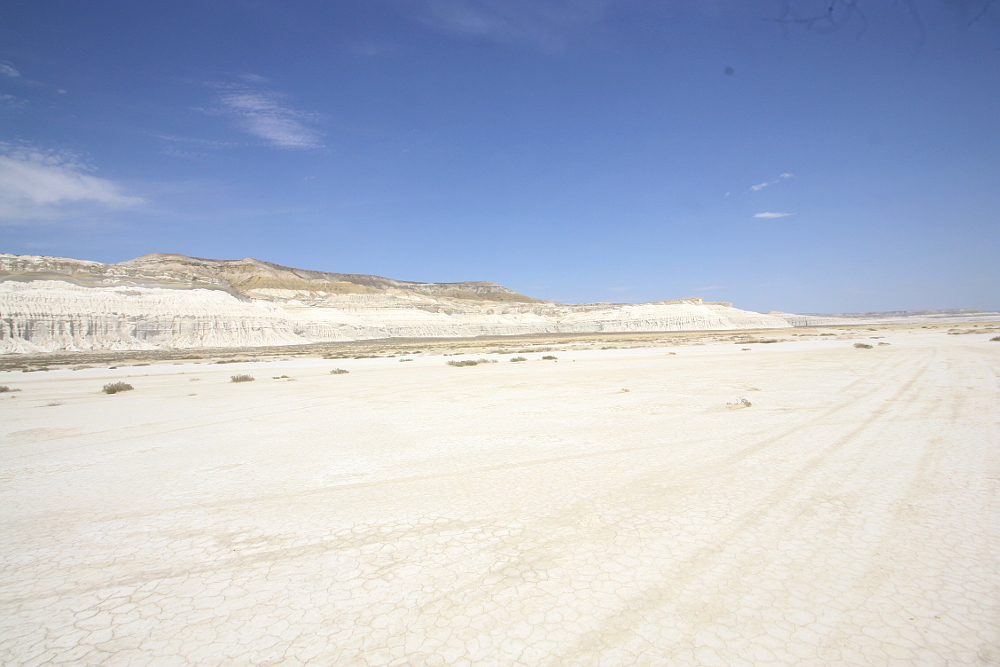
(602, 508)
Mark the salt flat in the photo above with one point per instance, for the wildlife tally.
(527, 513)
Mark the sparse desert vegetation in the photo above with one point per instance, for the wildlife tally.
(518, 358)
(739, 404)
(471, 362)
(549, 357)
(995, 339)
(116, 387)
(242, 377)
(339, 371)
(863, 346)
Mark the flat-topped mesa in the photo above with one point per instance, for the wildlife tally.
(169, 300)
(249, 274)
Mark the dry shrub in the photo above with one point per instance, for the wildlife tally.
(519, 359)
(339, 371)
(738, 404)
(471, 362)
(115, 387)
(242, 377)
(863, 346)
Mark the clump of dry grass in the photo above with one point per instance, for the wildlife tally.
(738, 404)
(471, 362)
(115, 387)
(995, 339)
(863, 346)
(549, 357)
(4, 389)
(242, 377)
(339, 371)
(518, 358)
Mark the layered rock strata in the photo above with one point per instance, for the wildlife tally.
(172, 301)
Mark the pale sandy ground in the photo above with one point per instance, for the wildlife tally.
(511, 514)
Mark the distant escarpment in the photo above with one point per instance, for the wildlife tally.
(172, 301)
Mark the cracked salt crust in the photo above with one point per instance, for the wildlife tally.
(511, 514)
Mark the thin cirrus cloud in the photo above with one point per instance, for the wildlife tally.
(264, 114)
(543, 25)
(37, 184)
(768, 214)
(761, 186)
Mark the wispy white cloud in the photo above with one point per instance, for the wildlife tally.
(370, 48)
(7, 70)
(38, 185)
(265, 114)
(545, 25)
(209, 143)
(12, 102)
(761, 186)
(768, 214)
(187, 155)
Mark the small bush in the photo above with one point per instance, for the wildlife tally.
(4, 388)
(242, 377)
(884, 343)
(995, 339)
(738, 404)
(339, 371)
(863, 346)
(279, 377)
(518, 358)
(115, 387)
(549, 357)
(406, 359)
(471, 362)
(230, 361)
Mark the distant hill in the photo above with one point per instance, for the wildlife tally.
(174, 301)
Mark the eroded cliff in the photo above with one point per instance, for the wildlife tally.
(173, 301)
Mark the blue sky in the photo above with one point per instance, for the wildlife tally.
(573, 150)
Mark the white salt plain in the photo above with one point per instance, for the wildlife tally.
(513, 513)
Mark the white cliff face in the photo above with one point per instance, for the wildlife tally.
(50, 315)
(49, 304)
